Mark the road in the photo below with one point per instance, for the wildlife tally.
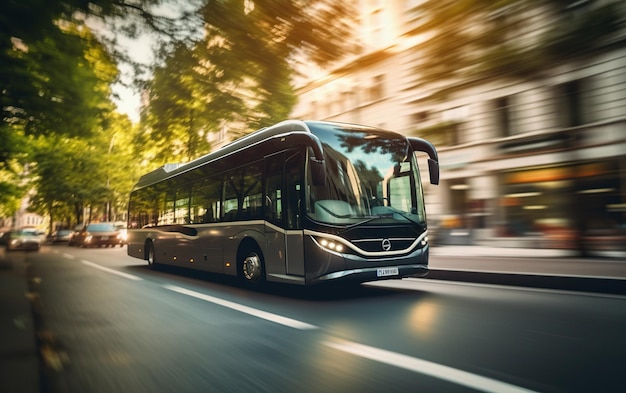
(108, 324)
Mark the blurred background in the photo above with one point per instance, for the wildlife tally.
(525, 101)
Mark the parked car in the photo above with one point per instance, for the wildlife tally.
(60, 236)
(98, 234)
(121, 226)
(77, 230)
(21, 240)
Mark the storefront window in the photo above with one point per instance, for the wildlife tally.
(577, 206)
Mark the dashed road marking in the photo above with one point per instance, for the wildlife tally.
(426, 367)
(293, 323)
(395, 359)
(112, 271)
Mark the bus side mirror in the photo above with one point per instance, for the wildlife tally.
(318, 172)
(419, 144)
(433, 170)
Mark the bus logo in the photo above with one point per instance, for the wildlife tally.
(386, 245)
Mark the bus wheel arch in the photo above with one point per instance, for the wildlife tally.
(250, 262)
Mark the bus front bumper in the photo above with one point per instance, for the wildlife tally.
(377, 273)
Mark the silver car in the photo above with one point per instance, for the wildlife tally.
(21, 240)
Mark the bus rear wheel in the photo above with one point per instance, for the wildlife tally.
(150, 255)
(251, 269)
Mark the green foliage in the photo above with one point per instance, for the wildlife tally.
(11, 188)
(239, 73)
(73, 173)
(55, 94)
(55, 84)
(179, 110)
(579, 34)
(476, 39)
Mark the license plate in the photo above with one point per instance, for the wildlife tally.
(105, 238)
(389, 271)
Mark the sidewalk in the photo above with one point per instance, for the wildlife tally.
(19, 361)
(538, 268)
(479, 251)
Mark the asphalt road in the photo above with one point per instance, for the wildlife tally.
(109, 324)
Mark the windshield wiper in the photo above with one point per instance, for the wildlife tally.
(365, 221)
(390, 215)
(409, 218)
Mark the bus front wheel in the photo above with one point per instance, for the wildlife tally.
(252, 269)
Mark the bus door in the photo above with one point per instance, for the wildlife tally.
(283, 231)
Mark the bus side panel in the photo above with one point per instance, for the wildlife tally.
(207, 250)
(166, 251)
(136, 241)
(295, 253)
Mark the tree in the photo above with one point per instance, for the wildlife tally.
(253, 46)
(469, 40)
(73, 173)
(240, 72)
(179, 113)
(50, 84)
(56, 75)
(70, 172)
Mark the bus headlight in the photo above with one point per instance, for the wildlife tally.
(331, 245)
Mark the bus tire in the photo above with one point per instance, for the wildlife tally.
(252, 268)
(151, 255)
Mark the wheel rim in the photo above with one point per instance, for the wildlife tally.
(252, 267)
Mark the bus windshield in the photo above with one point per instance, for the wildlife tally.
(371, 177)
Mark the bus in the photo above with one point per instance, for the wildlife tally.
(300, 202)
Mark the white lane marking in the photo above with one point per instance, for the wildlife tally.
(69, 256)
(244, 309)
(428, 281)
(106, 269)
(425, 367)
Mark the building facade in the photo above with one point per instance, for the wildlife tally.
(535, 163)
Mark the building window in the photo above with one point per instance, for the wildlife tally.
(571, 103)
(502, 113)
(442, 134)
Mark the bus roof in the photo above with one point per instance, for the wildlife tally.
(171, 170)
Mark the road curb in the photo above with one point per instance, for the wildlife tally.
(605, 285)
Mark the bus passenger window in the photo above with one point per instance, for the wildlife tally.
(274, 167)
(205, 200)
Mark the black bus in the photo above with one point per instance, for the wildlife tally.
(300, 202)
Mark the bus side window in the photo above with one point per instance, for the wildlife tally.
(274, 168)
(253, 191)
(294, 166)
(205, 200)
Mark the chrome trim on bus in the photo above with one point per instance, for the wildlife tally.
(224, 224)
(344, 273)
(281, 230)
(286, 277)
(359, 250)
